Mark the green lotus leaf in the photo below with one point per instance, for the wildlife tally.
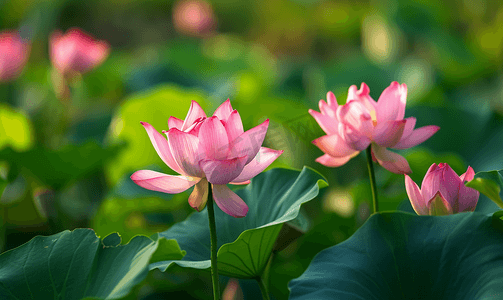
(66, 165)
(399, 255)
(76, 264)
(490, 184)
(245, 245)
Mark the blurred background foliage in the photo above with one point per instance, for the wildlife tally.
(66, 163)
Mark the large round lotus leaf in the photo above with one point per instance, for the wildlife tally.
(154, 107)
(76, 264)
(245, 244)
(403, 256)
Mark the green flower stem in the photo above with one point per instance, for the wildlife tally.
(263, 279)
(372, 176)
(213, 237)
(263, 288)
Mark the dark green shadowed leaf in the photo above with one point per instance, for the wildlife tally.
(403, 256)
(112, 240)
(498, 220)
(490, 184)
(77, 264)
(245, 244)
(66, 165)
(291, 231)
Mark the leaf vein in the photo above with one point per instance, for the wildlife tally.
(240, 259)
(3, 285)
(70, 266)
(24, 272)
(237, 268)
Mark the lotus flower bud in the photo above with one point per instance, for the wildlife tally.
(442, 192)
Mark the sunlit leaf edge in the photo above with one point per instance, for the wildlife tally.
(490, 184)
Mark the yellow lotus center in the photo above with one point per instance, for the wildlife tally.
(192, 178)
(374, 117)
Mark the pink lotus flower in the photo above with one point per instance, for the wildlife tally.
(361, 122)
(442, 192)
(76, 51)
(212, 149)
(14, 52)
(194, 17)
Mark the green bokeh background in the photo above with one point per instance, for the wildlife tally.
(66, 164)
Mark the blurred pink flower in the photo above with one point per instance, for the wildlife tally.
(232, 291)
(442, 192)
(14, 53)
(212, 149)
(76, 51)
(194, 17)
(361, 122)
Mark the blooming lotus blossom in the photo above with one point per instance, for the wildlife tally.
(442, 192)
(76, 51)
(194, 17)
(212, 149)
(361, 122)
(14, 52)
